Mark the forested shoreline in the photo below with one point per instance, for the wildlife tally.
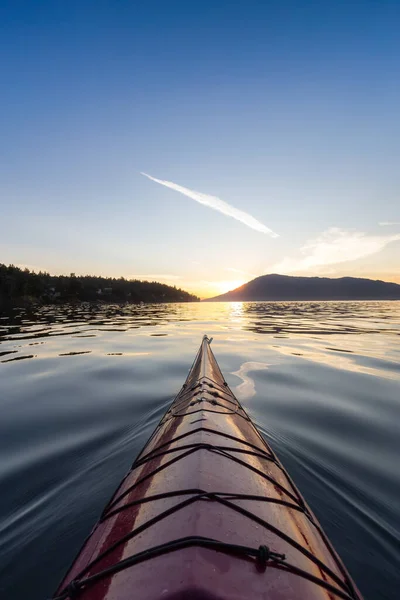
(27, 287)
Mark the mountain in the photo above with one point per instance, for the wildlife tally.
(285, 287)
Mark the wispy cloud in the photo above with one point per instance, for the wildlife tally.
(217, 204)
(386, 223)
(332, 247)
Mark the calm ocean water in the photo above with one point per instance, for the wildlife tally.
(82, 387)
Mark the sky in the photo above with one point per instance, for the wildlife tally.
(201, 144)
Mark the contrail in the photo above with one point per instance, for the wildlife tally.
(217, 204)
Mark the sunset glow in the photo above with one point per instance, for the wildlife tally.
(226, 286)
(188, 149)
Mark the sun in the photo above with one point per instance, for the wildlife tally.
(227, 286)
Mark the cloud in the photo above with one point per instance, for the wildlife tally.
(217, 204)
(332, 247)
(386, 223)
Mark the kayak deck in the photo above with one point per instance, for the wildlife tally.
(207, 511)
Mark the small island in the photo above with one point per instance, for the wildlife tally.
(22, 286)
(285, 287)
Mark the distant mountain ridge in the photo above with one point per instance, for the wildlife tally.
(286, 287)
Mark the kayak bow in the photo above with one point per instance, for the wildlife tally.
(207, 511)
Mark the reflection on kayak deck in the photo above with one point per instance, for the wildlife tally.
(325, 395)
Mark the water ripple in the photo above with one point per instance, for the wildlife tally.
(321, 380)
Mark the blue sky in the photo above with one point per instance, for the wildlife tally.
(287, 111)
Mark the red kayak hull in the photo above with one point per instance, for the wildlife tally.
(207, 474)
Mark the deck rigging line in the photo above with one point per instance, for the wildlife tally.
(193, 393)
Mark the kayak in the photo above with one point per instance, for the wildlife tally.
(207, 511)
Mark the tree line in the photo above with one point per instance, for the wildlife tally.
(23, 285)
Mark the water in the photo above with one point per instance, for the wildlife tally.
(82, 387)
